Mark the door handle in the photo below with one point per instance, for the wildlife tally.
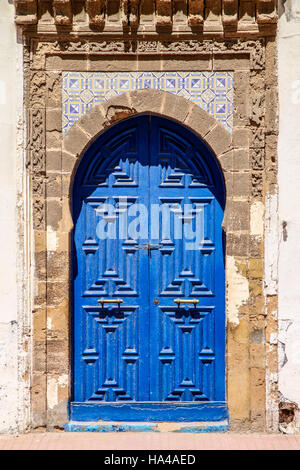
(186, 301)
(110, 301)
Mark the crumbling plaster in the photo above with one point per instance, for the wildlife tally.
(247, 182)
(14, 412)
(289, 214)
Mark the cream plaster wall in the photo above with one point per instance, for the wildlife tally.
(14, 402)
(9, 95)
(289, 200)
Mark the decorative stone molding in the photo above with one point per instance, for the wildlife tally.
(207, 16)
(253, 48)
(266, 12)
(196, 12)
(26, 11)
(130, 13)
(62, 12)
(230, 12)
(164, 13)
(96, 12)
(53, 159)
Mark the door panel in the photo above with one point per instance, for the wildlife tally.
(148, 348)
(184, 357)
(110, 362)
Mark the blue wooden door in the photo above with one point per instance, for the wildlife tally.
(148, 276)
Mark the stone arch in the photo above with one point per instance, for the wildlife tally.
(99, 118)
(74, 144)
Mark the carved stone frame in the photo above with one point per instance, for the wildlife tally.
(249, 163)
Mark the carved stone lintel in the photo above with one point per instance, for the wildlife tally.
(211, 15)
(254, 47)
(186, 46)
(196, 8)
(96, 11)
(107, 46)
(147, 46)
(26, 11)
(62, 12)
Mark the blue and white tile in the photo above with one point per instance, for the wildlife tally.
(212, 91)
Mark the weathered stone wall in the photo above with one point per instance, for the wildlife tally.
(289, 217)
(249, 163)
(14, 338)
(209, 35)
(217, 17)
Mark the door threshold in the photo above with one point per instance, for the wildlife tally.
(114, 426)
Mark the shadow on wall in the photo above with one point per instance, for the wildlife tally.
(288, 417)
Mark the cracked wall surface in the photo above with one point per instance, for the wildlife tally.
(13, 372)
(249, 162)
(289, 215)
(249, 165)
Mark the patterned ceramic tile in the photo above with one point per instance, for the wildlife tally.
(213, 92)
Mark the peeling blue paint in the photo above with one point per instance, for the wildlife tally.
(149, 412)
(209, 428)
(95, 427)
(74, 426)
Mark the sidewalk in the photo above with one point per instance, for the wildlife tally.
(149, 441)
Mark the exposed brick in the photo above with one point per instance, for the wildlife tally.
(92, 122)
(199, 120)
(237, 244)
(255, 268)
(241, 159)
(241, 137)
(237, 215)
(241, 98)
(232, 62)
(241, 184)
(75, 141)
(53, 120)
(53, 160)
(54, 213)
(271, 119)
(58, 265)
(177, 108)
(218, 139)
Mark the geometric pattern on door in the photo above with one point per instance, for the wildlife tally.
(148, 353)
(118, 379)
(178, 374)
(109, 278)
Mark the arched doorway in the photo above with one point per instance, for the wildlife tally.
(148, 276)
